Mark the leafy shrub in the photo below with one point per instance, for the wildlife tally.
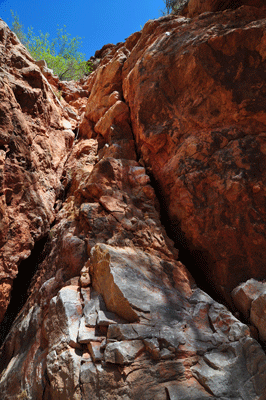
(61, 53)
(173, 6)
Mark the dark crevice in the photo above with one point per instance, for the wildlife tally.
(229, 5)
(21, 284)
(76, 131)
(197, 261)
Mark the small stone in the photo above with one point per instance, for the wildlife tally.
(166, 354)
(85, 279)
(91, 320)
(87, 335)
(96, 352)
(152, 345)
(106, 318)
(86, 357)
(93, 305)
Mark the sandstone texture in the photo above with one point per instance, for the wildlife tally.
(196, 93)
(35, 138)
(111, 311)
(250, 300)
(194, 8)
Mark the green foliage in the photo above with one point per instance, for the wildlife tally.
(61, 54)
(173, 6)
(59, 95)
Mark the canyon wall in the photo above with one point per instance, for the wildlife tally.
(168, 130)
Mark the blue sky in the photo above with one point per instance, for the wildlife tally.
(97, 22)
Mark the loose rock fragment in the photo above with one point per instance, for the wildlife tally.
(123, 352)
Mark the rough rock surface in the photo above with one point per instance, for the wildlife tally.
(192, 8)
(35, 138)
(112, 313)
(250, 299)
(196, 93)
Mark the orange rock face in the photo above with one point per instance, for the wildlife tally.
(196, 92)
(35, 137)
(111, 313)
(197, 7)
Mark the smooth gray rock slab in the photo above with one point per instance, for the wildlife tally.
(123, 352)
(122, 332)
(106, 318)
(191, 390)
(132, 331)
(199, 296)
(65, 312)
(166, 354)
(91, 319)
(86, 334)
(219, 359)
(91, 307)
(122, 275)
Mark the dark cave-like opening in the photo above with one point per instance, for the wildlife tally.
(21, 284)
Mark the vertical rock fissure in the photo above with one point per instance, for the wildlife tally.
(196, 261)
(21, 284)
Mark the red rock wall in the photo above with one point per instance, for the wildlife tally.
(111, 312)
(196, 93)
(35, 138)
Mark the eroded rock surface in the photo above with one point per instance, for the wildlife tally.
(112, 313)
(250, 300)
(195, 89)
(192, 8)
(35, 138)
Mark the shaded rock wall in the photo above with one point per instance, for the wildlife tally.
(112, 313)
(195, 89)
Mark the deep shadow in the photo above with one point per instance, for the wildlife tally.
(229, 4)
(197, 261)
(21, 284)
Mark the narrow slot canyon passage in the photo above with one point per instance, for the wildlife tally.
(19, 295)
